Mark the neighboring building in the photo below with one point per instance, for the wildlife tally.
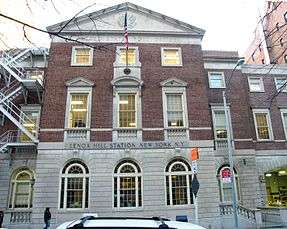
(117, 142)
(270, 39)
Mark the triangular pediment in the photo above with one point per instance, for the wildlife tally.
(140, 20)
(173, 82)
(79, 82)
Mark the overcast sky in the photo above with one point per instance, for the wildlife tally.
(229, 24)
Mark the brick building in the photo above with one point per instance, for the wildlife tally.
(269, 44)
(117, 142)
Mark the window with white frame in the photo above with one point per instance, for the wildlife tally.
(284, 120)
(127, 111)
(30, 118)
(178, 177)
(74, 191)
(225, 185)
(127, 185)
(174, 110)
(219, 122)
(262, 124)
(21, 189)
(256, 84)
(171, 57)
(216, 80)
(280, 83)
(78, 110)
(127, 56)
(82, 56)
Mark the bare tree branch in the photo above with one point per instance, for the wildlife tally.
(75, 17)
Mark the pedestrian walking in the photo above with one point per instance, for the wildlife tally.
(47, 218)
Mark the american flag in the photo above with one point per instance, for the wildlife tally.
(126, 32)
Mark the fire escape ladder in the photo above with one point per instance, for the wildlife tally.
(18, 117)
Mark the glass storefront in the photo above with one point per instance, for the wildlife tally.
(276, 187)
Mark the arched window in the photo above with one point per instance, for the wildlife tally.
(21, 189)
(178, 183)
(225, 186)
(127, 185)
(74, 186)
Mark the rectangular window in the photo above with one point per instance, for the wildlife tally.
(263, 125)
(216, 80)
(131, 56)
(280, 83)
(30, 120)
(171, 57)
(75, 192)
(78, 111)
(220, 124)
(284, 120)
(82, 56)
(256, 84)
(174, 110)
(127, 110)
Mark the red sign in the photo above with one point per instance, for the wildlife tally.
(194, 154)
(226, 175)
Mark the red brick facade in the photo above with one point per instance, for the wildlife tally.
(274, 24)
(101, 73)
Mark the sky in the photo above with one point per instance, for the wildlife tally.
(229, 24)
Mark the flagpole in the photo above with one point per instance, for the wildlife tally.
(126, 37)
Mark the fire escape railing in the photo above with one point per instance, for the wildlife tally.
(10, 66)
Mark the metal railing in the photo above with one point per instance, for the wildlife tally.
(6, 138)
(227, 209)
(20, 217)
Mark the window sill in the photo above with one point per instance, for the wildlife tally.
(81, 65)
(69, 210)
(256, 91)
(136, 65)
(177, 66)
(185, 206)
(131, 209)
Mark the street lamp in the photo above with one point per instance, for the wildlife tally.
(230, 147)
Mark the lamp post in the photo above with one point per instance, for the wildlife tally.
(230, 147)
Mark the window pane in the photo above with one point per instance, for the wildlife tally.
(78, 110)
(280, 83)
(82, 55)
(75, 192)
(216, 80)
(255, 84)
(174, 110)
(127, 192)
(262, 125)
(171, 57)
(179, 189)
(30, 122)
(127, 110)
(131, 56)
(22, 195)
(220, 125)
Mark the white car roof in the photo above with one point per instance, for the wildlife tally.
(129, 223)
